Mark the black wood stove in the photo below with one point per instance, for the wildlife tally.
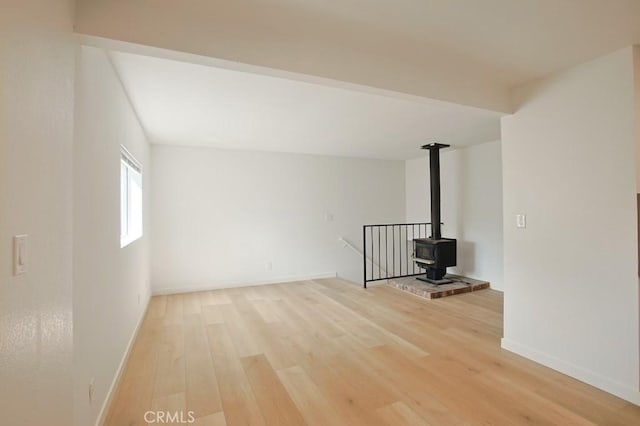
(435, 254)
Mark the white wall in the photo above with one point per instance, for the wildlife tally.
(36, 131)
(471, 188)
(219, 215)
(110, 284)
(571, 280)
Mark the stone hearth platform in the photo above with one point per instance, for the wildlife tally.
(431, 291)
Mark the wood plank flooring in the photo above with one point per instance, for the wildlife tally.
(327, 352)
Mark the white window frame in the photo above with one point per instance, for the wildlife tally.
(130, 170)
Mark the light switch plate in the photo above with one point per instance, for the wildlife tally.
(20, 254)
(521, 220)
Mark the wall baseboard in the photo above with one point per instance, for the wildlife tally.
(594, 379)
(233, 284)
(116, 380)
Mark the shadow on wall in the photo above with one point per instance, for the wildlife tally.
(467, 256)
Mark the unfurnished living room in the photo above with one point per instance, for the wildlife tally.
(307, 212)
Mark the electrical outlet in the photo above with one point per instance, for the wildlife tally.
(91, 383)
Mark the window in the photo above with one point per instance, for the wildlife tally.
(130, 198)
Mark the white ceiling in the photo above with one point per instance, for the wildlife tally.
(519, 39)
(469, 52)
(182, 103)
(465, 51)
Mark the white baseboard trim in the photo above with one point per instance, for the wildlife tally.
(116, 380)
(233, 284)
(594, 379)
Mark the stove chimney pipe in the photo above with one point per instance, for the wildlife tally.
(434, 169)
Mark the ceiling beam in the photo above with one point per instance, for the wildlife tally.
(278, 40)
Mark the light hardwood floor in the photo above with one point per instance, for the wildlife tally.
(327, 352)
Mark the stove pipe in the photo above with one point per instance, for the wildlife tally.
(434, 169)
